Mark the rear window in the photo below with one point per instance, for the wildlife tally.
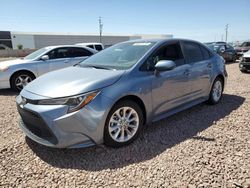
(192, 52)
(206, 54)
(91, 46)
(80, 52)
(98, 47)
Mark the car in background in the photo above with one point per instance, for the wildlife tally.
(244, 47)
(223, 49)
(18, 73)
(244, 64)
(109, 97)
(95, 46)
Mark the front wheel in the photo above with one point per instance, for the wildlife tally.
(123, 124)
(20, 80)
(216, 91)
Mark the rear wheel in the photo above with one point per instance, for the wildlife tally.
(20, 80)
(123, 124)
(216, 91)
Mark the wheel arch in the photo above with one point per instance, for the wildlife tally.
(137, 100)
(19, 71)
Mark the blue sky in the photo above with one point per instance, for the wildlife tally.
(202, 20)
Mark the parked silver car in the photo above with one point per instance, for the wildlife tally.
(18, 73)
(111, 95)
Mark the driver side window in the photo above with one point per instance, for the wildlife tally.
(168, 52)
(59, 53)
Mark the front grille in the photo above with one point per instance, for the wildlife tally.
(247, 59)
(246, 67)
(36, 125)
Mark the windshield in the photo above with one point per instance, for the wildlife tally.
(35, 54)
(214, 47)
(121, 56)
(245, 44)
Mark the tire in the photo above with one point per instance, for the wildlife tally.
(119, 131)
(16, 80)
(216, 91)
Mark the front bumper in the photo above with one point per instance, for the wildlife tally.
(52, 126)
(4, 80)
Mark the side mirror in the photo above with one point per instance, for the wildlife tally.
(222, 50)
(165, 65)
(45, 57)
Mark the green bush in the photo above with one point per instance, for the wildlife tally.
(19, 46)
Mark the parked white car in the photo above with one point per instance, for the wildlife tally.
(18, 73)
(95, 46)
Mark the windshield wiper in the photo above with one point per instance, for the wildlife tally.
(98, 67)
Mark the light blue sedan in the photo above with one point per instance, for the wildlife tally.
(18, 73)
(110, 96)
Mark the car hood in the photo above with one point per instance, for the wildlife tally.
(241, 48)
(247, 54)
(72, 81)
(13, 62)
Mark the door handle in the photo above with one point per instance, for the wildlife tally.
(209, 65)
(67, 61)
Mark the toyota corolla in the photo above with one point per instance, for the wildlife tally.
(110, 96)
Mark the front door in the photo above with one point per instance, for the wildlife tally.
(170, 88)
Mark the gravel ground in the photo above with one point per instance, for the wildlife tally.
(205, 146)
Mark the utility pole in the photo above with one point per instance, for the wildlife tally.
(226, 29)
(100, 28)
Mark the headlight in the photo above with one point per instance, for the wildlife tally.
(74, 103)
(242, 59)
(4, 68)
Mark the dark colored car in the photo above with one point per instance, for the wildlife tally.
(245, 62)
(223, 49)
(244, 47)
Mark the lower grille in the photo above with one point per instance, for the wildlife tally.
(36, 125)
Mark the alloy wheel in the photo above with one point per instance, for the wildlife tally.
(123, 124)
(217, 91)
(22, 80)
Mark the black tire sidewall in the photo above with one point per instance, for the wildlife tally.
(108, 140)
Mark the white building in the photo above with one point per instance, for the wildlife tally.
(36, 40)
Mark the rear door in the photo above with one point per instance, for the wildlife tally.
(198, 57)
(59, 58)
(79, 54)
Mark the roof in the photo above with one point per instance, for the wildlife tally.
(162, 40)
(89, 43)
(58, 46)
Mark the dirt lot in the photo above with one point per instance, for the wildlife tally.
(205, 146)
